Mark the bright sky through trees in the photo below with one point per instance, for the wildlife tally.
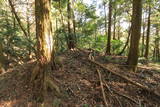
(99, 10)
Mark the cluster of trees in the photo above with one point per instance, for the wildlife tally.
(111, 26)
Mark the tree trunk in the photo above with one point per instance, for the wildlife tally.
(157, 49)
(148, 34)
(126, 44)
(73, 22)
(1, 59)
(28, 29)
(114, 29)
(45, 53)
(105, 18)
(135, 35)
(118, 31)
(17, 18)
(143, 37)
(71, 44)
(108, 49)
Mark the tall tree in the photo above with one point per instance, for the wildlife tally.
(143, 35)
(148, 33)
(114, 24)
(108, 49)
(45, 53)
(71, 41)
(156, 53)
(135, 35)
(105, 16)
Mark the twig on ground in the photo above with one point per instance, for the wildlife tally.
(102, 88)
(125, 96)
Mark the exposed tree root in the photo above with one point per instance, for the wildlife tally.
(34, 73)
(42, 82)
(49, 83)
(2, 70)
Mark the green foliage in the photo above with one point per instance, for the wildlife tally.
(14, 43)
(61, 40)
(116, 46)
(99, 43)
(85, 105)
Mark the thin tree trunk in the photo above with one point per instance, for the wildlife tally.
(62, 21)
(105, 18)
(148, 34)
(28, 29)
(17, 18)
(71, 44)
(114, 29)
(143, 37)
(135, 35)
(157, 44)
(118, 32)
(108, 49)
(74, 23)
(2, 70)
(126, 44)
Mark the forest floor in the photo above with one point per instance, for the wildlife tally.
(80, 86)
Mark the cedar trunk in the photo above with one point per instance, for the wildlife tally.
(135, 35)
(114, 29)
(148, 34)
(108, 49)
(143, 37)
(44, 45)
(105, 18)
(71, 41)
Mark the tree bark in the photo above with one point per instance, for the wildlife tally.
(45, 50)
(135, 35)
(114, 29)
(156, 52)
(74, 24)
(1, 59)
(28, 29)
(143, 37)
(108, 49)
(118, 31)
(148, 34)
(105, 17)
(71, 44)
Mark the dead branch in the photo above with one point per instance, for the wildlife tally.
(114, 91)
(152, 91)
(126, 79)
(125, 96)
(102, 88)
